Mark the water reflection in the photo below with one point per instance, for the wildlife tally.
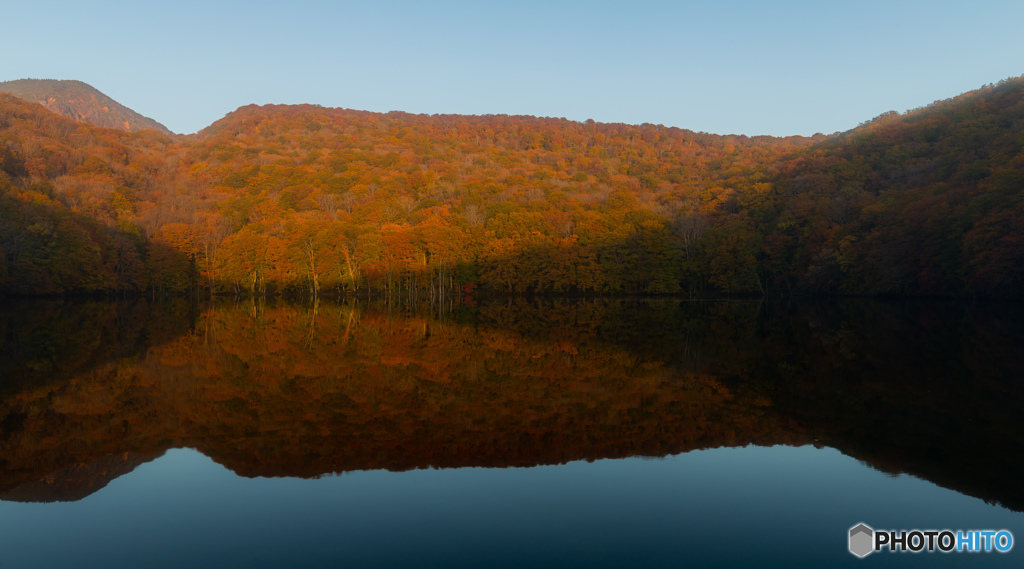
(92, 390)
(726, 507)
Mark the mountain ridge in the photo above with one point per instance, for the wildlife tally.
(81, 102)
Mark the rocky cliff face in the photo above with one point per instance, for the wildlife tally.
(81, 102)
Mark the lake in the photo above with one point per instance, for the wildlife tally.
(504, 433)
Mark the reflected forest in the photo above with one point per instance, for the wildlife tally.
(93, 389)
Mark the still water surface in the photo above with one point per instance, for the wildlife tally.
(589, 433)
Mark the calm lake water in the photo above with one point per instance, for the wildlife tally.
(514, 433)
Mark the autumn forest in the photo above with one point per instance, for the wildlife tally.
(313, 201)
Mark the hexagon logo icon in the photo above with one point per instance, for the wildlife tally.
(861, 540)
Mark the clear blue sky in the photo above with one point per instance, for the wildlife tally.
(735, 66)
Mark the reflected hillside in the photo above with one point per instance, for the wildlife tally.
(287, 390)
(78, 481)
(46, 342)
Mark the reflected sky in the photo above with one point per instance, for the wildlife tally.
(784, 506)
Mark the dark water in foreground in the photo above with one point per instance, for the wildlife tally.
(585, 434)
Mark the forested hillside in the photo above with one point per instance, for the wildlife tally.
(310, 200)
(930, 202)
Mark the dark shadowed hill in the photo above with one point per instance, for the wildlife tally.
(81, 102)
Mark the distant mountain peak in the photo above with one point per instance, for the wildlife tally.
(81, 102)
